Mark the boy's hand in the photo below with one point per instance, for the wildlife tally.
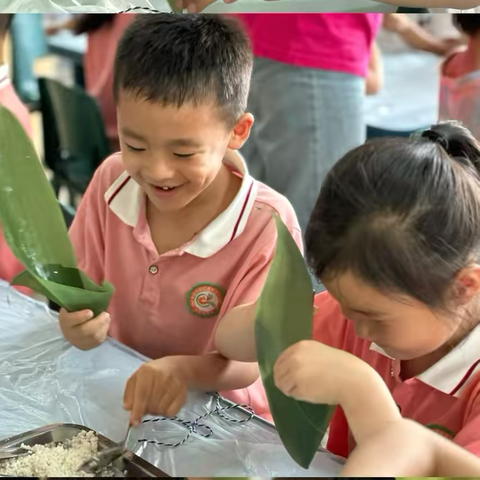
(314, 373)
(157, 388)
(82, 330)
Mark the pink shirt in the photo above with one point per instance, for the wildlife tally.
(98, 66)
(333, 41)
(170, 304)
(460, 91)
(9, 265)
(445, 398)
(9, 99)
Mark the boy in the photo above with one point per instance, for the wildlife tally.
(460, 80)
(174, 221)
(9, 265)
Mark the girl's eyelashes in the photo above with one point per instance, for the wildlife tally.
(134, 149)
(184, 155)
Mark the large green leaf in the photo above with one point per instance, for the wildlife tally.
(283, 318)
(34, 227)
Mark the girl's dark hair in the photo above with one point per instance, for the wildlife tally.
(468, 23)
(90, 22)
(173, 59)
(403, 214)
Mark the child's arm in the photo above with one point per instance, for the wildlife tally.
(315, 373)
(416, 36)
(457, 4)
(160, 387)
(404, 449)
(374, 79)
(235, 335)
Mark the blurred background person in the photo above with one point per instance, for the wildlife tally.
(460, 77)
(103, 33)
(307, 94)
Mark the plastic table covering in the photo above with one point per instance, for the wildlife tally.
(44, 380)
(116, 6)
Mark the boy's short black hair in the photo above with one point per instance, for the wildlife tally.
(468, 23)
(5, 22)
(175, 59)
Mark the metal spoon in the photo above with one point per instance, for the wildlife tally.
(14, 452)
(104, 458)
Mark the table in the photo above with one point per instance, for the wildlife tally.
(44, 380)
(409, 99)
(115, 6)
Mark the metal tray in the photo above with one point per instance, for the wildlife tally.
(132, 465)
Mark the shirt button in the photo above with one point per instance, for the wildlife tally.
(153, 269)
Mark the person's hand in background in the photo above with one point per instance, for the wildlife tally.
(374, 78)
(196, 6)
(418, 37)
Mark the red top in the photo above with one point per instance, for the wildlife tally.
(329, 41)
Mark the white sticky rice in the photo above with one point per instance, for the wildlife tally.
(54, 460)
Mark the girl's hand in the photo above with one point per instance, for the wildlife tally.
(314, 373)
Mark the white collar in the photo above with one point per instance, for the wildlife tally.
(4, 74)
(452, 371)
(125, 195)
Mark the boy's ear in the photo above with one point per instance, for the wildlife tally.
(241, 131)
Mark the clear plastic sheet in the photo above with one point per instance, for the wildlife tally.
(79, 6)
(43, 380)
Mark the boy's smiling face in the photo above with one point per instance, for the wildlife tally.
(175, 153)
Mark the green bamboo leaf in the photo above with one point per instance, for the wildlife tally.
(34, 227)
(283, 318)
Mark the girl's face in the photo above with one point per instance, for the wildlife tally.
(402, 326)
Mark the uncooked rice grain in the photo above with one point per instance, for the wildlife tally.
(54, 460)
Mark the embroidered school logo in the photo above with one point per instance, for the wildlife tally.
(205, 300)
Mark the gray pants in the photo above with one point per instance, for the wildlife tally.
(305, 120)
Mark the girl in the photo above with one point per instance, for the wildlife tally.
(395, 239)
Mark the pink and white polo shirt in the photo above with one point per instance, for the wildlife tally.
(171, 304)
(9, 265)
(445, 398)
